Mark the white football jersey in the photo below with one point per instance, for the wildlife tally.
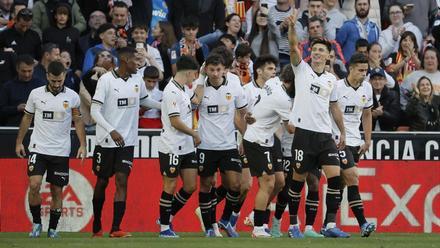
(286, 141)
(216, 114)
(175, 102)
(271, 106)
(313, 94)
(120, 100)
(155, 94)
(52, 120)
(251, 91)
(352, 102)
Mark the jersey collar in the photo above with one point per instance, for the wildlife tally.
(349, 85)
(63, 90)
(224, 83)
(116, 75)
(178, 85)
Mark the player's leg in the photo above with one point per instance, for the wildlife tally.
(35, 171)
(207, 170)
(295, 189)
(245, 185)
(56, 205)
(312, 203)
(282, 199)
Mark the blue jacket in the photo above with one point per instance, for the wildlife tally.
(89, 58)
(348, 34)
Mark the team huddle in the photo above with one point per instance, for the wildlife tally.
(290, 129)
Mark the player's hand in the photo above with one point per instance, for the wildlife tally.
(196, 139)
(20, 151)
(249, 118)
(290, 128)
(82, 153)
(117, 138)
(364, 148)
(341, 144)
(241, 149)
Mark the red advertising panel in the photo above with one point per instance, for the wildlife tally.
(399, 196)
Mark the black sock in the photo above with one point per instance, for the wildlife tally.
(220, 192)
(312, 203)
(237, 207)
(266, 217)
(97, 211)
(355, 202)
(282, 199)
(165, 208)
(332, 198)
(294, 200)
(205, 209)
(118, 214)
(232, 198)
(179, 201)
(55, 215)
(36, 213)
(259, 217)
(214, 203)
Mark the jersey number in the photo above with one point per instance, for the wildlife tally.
(98, 157)
(201, 158)
(33, 159)
(174, 159)
(299, 155)
(268, 156)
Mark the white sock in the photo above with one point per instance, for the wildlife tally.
(215, 226)
(291, 226)
(258, 229)
(171, 218)
(330, 225)
(164, 227)
(235, 214)
(308, 228)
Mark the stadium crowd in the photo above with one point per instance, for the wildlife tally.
(401, 39)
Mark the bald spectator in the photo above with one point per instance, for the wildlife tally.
(91, 39)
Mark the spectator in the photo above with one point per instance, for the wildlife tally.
(430, 69)
(88, 7)
(417, 12)
(263, 38)
(278, 17)
(7, 69)
(316, 31)
(361, 46)
(390, 37)
(42, 15)
(15, 93)
(406, 60)
(107, 34)
(150, 118)
(335, 66)
(373, 14)
(228, 41)
(231, 26)
(159, 13)
(335, 18)
(209, 13)
(315, 8)
(148, 55)
(375, 61)
(242, 65)
(189, 45)
(121, 21)
(16, 7)
(358, 27)
(5, 13)
(164, 39)
(386, 110)
(103, 62)
(51, 52)
(63, 34)
(91, 39)
(423, 108)
(21, 39)
(72, 79)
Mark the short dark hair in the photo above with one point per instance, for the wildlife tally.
(321, 41)
(437, 53)
(25, 15)
(229, 37)
(187, 63)
(262, 61)
(225, 54)
(395, 4)
(48, 47)
(315, 19)
(243, 50)
(151, 72)
(126, 51)
(214, 59)
(413, 38)
(190, 22)
(355, 2)
(104, 27)
(138, 26)
(120, 4)
(287, 74)
(361, 43)
(56, 68)
(24, 59)
(322, 1)
(371, 45)
(358, 58)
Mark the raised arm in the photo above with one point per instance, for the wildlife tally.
(295, 56)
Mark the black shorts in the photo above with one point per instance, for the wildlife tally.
(277, 155)
(311, 150)
(349, 157)
(244, 162)
(171, 164)
(260, 158)
(108, 161)
(211, 160)
(57, 168)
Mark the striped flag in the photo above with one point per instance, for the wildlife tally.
(240, 9)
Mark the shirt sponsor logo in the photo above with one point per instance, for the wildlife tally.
(126, 102)
(349, 109)
(213, 109)
(48, 115)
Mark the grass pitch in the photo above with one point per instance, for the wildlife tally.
(193, 240)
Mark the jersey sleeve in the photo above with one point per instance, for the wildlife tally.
(170, 99)
(143, 91)
(369, 95)
(101, 90)
(240, 99)
(76, 101)
(30, 104)
(334, 94)
(284, 107)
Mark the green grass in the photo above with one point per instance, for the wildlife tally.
(193, 240)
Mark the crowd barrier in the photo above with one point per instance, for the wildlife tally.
(399, 183)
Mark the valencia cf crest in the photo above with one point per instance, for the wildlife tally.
(172, 169)
(31, 168)
(298, 165)
(66, 104)
(344, 161)
(364, 99)
(228, 96)
(245, 160)
(200, 168)
(269, 165)
(98, 168)
(136, 88)
(164, 173)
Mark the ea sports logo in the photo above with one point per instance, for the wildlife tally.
(77, 208)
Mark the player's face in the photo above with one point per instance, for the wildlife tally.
(25, 72)
(215, 73)
(139, 35)
(132, 64)
(268, 71)
(320, 54)
(378, 82)
(55, 82)
(150, 83)
(425, 88)
(359, 71)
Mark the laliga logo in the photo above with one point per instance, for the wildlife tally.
(77, 208)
